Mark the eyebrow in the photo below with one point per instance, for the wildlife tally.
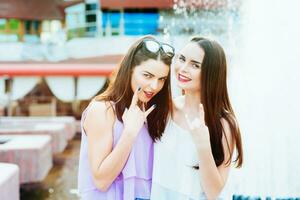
(193, 61)
(197, 62)
(154, 75)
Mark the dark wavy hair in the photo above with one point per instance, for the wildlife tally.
(120, 92)
(215, 100)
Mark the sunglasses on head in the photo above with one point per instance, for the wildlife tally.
(154, 46)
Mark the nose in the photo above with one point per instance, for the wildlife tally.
(154, 84)
(183, 67)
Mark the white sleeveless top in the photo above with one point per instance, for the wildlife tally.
(173, 174)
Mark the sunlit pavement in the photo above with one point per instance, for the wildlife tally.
(61, 182)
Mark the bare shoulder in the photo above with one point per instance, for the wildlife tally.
(100, 114)
(100, 106)
(100, 109)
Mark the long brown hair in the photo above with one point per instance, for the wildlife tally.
(120, 93)
(215, 100)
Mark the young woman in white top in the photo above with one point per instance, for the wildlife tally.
(194, 155)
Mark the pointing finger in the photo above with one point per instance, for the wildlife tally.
(135, 97)
(150, 110)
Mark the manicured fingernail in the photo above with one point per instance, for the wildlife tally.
(139, 88)
(154, 105)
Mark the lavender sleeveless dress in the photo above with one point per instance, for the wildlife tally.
(134, 181)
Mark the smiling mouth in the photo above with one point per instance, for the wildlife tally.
(149, 94)
(183, 78)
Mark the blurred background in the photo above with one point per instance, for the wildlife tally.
(55, 55)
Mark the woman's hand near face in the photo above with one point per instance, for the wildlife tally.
(134, 117)
(199, 130)
(213, 178)
(105, 160)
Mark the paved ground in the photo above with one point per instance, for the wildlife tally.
(61, 182)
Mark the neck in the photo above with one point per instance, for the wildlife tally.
(192, 101)
(142, 105)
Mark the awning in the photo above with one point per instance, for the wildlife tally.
(164, 4)
(119, 4)
(59, 69)
(92, 66)
(34, 9)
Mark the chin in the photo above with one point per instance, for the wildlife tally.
(187, 87)
(144, 100)
(182, 86)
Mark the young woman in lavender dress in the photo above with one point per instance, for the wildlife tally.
(120, 125)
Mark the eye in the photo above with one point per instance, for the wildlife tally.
(196, 66)
(163, 79)
(146, 75)
(181, 59)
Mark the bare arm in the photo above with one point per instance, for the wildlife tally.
(213, 178)
(106, 163)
